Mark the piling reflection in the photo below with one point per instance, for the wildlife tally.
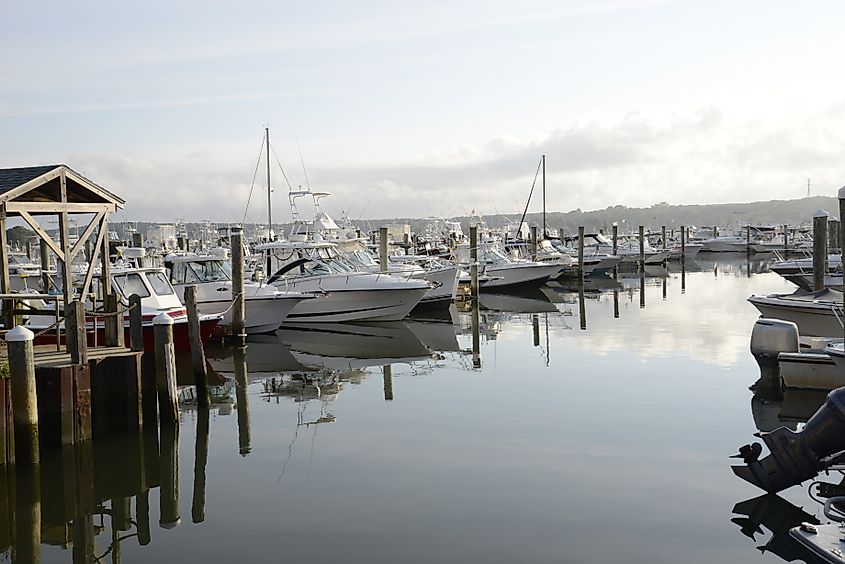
(200, 463)
(242, 398)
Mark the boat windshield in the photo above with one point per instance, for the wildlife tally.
(211, 270)
(496, 257)
(160, 283)
(131, 283)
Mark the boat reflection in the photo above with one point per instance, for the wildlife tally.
(794, 407)
(776, 514)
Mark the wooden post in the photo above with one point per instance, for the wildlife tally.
(382, 250)
(663, 236)
(200, 463)
(615, 238)
(239, 308)
(75, 335)
(642, 289)
(842, 218)
(748, 239)
(29, 250)
(27, 546)
(113, 323)
(5, 285)
(242, 399)
(581, 251)
(642, 247)
(136, 328)
(534, 237)
(45, 265)
(473, 267)
(683, 243)
(819, 249)
(24, 400)
(582, 305)
(388, 382)
(197, 352)
(137, 240)
(142, 517)
(168, 406)
(535, 329)
(476, 335)
(786, 238)
(833, 225)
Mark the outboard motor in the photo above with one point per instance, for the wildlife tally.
(769, 338)
(796, 456)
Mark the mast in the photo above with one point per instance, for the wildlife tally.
(544, 198)
(269, 204)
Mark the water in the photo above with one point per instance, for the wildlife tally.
(554, 444)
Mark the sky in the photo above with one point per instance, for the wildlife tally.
(436, 108)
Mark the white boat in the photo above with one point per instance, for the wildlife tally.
(725, 244)
(342, 293)
(513, 274)
(817, 314)
(836, 351)
(824, 541)
(265, 307)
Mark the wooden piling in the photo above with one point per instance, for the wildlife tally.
(535, 329)
(45, 265)
(24, 400)
(197, 352)
(615, 238)
(142, 517)
(27, 547)
(75, 337)
(165, 357)
(642, 247)
(239, 306)
(819, 249)
(581, 251)
(382, 250)
(642, 289)
(663, 237)
(169, 474)
(582, 305)
(534, 241)
(136, 328)
(683, 243)
(786, 238)
(833, 227)
(842, 218)
(473, 267)
(387, 372)
(748, 239)
(476, 335)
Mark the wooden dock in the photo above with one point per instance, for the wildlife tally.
(47, 355)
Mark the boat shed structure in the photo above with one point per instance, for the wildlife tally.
(31, 193)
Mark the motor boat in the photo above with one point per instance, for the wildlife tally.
(817, 314)
(506, 273)
(265, 306)
(343, 294)
(836, 351)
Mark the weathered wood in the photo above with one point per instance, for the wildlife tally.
(113, 324)
(238, 307)
(84, 238)
(116, 395)
(45, 265)
(52, 208)
(581, 251)
(45, 237)
(136, 328)
(5, 285)
(200, 463)
(384, 262)
(388, 382)
(476, 334)
(27, 546)
(75, 337)
(24, 399)
(534, 242)
(473, 268)
(3, 429)
(819, 249)
(142, 517)
(663, 237)
(10, 422)
(683, 243)
(165, 357)
(197, 352)
(582, 305)
(642, 246)
(615, 237)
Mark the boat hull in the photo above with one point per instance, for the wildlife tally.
(813, 319)
(356, 305)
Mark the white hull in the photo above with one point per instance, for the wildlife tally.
(723, 245)
(814, 318)
(526, 275)
(810, 371)
(261, 315)
(445, 281)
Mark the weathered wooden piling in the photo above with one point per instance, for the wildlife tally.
(786, 238)
(642, 247)
(819, 249)
(842, 218)
(24, 400)
(615, 304)
(137, 240)
(535, 329)
(113, 321)
(473, 257)
(197, 352)
(242, 399)
(239, 306)
(75, 337)
(534, 241)
(7, 426)
(45, 265)
(581, 251)
(382, 250)
(615, 238)
(663, 237)
(642, 289)
(387, 372)
(142, 517)
(582, 305)
(165, 357)
(200, 463)
(476, 335)
(136, 328)
(683, 243)
(27, 547)
(833, 228)
(748, 239)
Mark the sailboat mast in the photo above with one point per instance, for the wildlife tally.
(544, 197)
(269, 203)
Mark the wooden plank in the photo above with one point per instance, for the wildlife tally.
(52, 208)
(80, 243)
(8, 306)
(64, 235)
(43, 235)
(86, 285)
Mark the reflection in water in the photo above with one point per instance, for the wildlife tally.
(244, 432)
(200, 463)
(778, 516)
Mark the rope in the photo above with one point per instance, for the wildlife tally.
(231, 305)
(120, 311)
(50, 328)
(254, 176)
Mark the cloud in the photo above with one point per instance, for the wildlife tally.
(638, 159)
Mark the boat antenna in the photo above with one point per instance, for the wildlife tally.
(254, 176)
(269, 190)
(305, 172)
(544, 198)
(525, 211)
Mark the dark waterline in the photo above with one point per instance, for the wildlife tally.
(386, 443)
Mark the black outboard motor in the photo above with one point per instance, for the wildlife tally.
(796, 456)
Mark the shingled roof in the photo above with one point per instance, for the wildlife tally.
(13, 178)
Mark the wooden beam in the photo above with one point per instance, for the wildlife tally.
(86, 286)
(34, 183)
(8, 306)
(43, 234)
(80, 243)
(64, 235)
(58, 207)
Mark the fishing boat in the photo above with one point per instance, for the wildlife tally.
(817, 314)
(265, 307)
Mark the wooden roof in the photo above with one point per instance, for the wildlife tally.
(42, 184)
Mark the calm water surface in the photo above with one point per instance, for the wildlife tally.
(578, 433)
